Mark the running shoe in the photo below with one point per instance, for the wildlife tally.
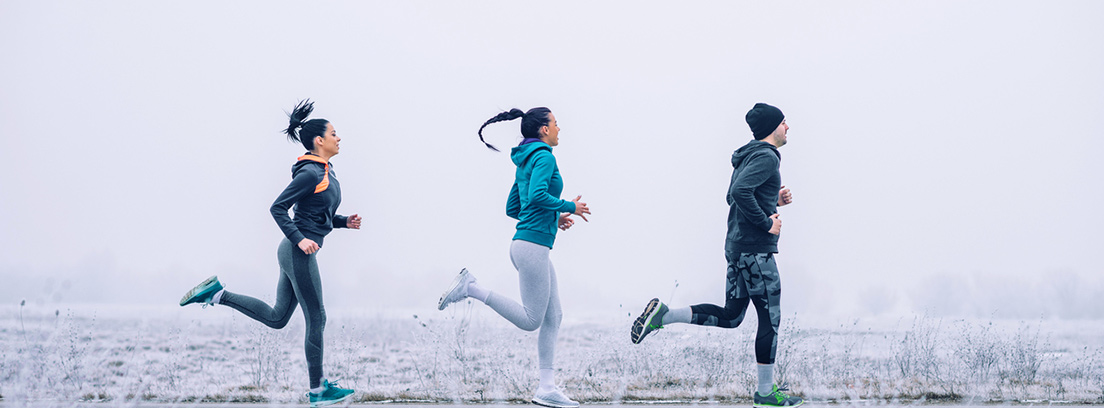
(457, 291)
(651, 319)
(331, 394)
(554, 399)
(202, 293)
(776, 399)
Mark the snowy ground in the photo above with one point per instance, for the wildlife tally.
(123, 356)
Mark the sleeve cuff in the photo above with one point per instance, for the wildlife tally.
(341, 221)
(568, 207)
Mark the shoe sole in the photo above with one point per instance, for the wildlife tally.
(455, 284)
(778, 406)
(552, 405)
(328, 403)
(637, 332)
(196, 290)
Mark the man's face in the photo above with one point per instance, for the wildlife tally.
(780, 133)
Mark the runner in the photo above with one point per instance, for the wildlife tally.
(755, 191)
(535, 202)
(314, 194)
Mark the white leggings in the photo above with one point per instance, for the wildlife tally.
(539, 295)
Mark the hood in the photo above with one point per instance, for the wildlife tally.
(521, 153)
(306, 160)
(753, 146)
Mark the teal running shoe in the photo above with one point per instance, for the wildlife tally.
(651, 319)
(331, 394)
(202, 293)
(776, 398)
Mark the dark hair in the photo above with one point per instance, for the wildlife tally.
(531, 122)
(308, 129)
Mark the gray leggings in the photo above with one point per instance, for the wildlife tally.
(539, 294)
(299, 284)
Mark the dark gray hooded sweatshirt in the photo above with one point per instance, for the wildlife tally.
(752, 198)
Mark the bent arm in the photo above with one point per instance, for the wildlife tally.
(742, 191)
(543, 166)
(340, 221)
(302, 185)
(513, 203)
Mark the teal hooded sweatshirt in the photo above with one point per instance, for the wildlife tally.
(535, 197)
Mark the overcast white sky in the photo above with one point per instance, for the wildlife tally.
(943, 155)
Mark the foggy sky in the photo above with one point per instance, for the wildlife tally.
(943, 156)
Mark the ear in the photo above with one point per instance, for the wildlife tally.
(544, 131)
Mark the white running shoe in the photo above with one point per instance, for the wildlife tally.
(554, 399)
(457, 291)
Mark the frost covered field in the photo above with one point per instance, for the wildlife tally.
(467, 354)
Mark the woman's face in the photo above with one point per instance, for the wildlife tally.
(551, 132)
(328, 144)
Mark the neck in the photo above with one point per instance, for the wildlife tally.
(320, 154)
(773, 141)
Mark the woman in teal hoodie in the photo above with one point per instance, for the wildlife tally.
(535, 202)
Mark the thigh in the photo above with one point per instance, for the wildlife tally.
(758, 273)
(769, 293)
(301, 271)
(285, 292)
(736, 286)
(531, 261)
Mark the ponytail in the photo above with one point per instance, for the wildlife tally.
(308, 129)
(508, 115)
(531, 122)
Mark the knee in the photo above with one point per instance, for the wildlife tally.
(553, 319)
(531, 325)
(277, 324)
(280, 321)
(733, 315)
(732, 319)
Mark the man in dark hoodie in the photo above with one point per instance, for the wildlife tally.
(754, 195)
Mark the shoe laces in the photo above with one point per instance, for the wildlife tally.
(778, 391)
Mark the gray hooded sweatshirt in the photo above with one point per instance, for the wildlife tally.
(752, 198)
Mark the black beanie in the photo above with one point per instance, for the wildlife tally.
(763, 120)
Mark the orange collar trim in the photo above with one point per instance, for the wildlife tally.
(312, 158)
(325, 175)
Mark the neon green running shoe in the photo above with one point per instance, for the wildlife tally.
(651, 319)
(331, 394)
(202, 293)
(776, 399)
